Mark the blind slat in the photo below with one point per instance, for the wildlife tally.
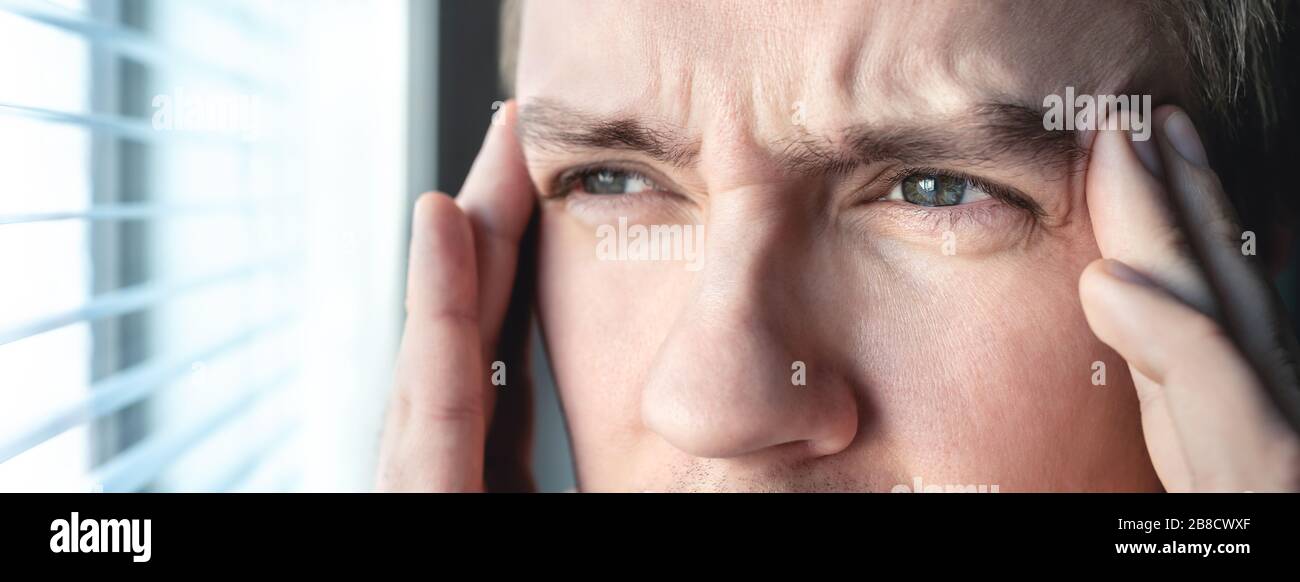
(142, 210)
(269, 448)
(121, 126)
(122, 389)
(133, 468)
(114, 124)
(127, 42)
(276, 205)
(130, 299)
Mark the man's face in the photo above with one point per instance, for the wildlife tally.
(888, 286)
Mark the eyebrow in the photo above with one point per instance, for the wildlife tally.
(549, 125)
(984, 134)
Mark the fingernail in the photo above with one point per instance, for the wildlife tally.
(494, 137)
(1126, 273)
(1182, 135)
(502, 113)
(1150, 156)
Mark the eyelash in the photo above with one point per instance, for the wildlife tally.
(1004, 194)
(567, 181)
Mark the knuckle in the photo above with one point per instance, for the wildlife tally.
(1206, 179)
(1173, 240)
(417, 408)
(1224, 229)
(454, 318)
(450, 413)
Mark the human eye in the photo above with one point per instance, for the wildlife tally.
(937, 188)
(607, 181)
(604, 188)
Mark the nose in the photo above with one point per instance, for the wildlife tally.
(741, 371)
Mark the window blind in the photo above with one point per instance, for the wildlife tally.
(154, 350)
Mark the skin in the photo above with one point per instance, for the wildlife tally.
(973, 367)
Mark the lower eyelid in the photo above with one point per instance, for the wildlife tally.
(979, 227)
(981, 210)
(610, 206)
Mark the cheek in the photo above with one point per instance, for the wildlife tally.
(603, 322)
(982, 371)
(970, 367)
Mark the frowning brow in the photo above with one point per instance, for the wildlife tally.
(546, 124)
(986, 134)
(989, 133)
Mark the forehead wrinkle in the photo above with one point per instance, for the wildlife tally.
(995, 47)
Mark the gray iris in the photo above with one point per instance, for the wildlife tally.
(933, 189)
(605, 182)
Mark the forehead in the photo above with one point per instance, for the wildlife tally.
(690, 62)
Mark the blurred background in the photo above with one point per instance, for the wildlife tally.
(204, 209)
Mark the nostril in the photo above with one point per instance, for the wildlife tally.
(836, 435)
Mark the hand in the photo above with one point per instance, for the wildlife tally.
(1199, 327)
(463, 259)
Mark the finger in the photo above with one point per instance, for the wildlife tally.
(439, 412)
(1150, 328)
(509, 439)
(1132, 219)
(1250, 308)
(498, 197)
(1224, 439)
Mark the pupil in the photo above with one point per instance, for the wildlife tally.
(933, 190)
(605, 182)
